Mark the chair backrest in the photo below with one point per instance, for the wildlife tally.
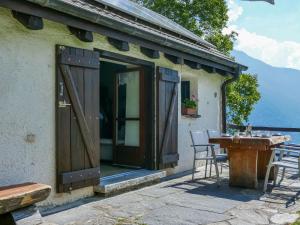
(199, 138)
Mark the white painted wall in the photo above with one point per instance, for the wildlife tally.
(27, 103)
(207, 88)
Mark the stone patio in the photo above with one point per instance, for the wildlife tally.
(180, 201)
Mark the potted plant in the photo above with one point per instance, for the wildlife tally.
(190, 106)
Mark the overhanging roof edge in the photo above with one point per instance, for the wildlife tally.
(94, 17)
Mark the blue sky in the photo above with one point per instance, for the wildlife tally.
(268, 32)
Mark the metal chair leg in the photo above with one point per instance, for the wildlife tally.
(299, 167)
(282, 175)
(210, 168)
(268, 171)
(275, 175)
(194, 166)
(221, 167)
(206, 162)
(216, 165)
(217, 173)
(267, 177)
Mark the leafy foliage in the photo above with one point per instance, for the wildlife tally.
(206, 18)
(242, 95)
(190, 103)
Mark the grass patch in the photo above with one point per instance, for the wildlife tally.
(298, 220)
(296, 223)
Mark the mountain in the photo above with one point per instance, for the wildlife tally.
(280, 93)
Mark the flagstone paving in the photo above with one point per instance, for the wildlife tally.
(183, 202)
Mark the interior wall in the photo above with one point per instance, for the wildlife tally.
(27, 103)
(107, 80)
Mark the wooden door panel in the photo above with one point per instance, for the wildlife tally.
(77, 118)
(167, 118)
(63, 145)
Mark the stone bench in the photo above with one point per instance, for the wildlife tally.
(18, 202)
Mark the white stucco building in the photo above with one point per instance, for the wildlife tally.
(85, 85)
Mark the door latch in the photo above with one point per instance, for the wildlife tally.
(63, 104)
(61, 92)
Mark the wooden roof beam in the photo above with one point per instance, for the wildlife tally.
(192, 64)
(83, 35)
(119, 44)
(29, 21)
(209, 69)
(174, 59)
(154, 54)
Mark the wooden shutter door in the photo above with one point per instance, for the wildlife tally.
(77, 118)
(167, 117)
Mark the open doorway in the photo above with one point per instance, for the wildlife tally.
(123, 117)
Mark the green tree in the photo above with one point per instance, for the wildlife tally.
(241, 96)
(206, 18)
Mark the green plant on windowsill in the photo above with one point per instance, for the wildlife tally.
(190, 106)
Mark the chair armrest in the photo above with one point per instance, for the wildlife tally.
(288, 147)
(292, 144)
(286, 150)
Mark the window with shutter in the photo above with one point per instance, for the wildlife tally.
(167, 117)
(185, 90)
(77, 119)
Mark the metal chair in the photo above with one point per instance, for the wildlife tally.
(203, 151)
(283, 160)
(221, 154)
(290, 156)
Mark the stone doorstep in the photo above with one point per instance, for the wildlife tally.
(128, 181)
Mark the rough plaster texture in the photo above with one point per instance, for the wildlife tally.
(27, 102)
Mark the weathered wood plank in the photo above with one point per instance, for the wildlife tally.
(83, 35)
(243, 167)
(174, 59)
(274, 140)
(80, 175)
(192, 64)
(63, 145)
(151, 53)
(86, 134)
(22, 195)
(248, 157)
(29, 21)
(168, 117)
(119, 44)
(78, 149)
(77, 60)
(168, 75)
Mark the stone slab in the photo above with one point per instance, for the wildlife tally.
(128, 181)
(176, 215)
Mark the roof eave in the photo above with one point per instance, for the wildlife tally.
(161, 39)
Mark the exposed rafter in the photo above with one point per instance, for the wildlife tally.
(154, 54)
(29, 21)
(209, 69)
(83, 35)
(192, 64)
(174, 59)
(119, 44)
(178, 50)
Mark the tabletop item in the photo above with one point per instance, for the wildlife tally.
(226, 135)
(248, 157)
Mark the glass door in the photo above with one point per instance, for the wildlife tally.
(127, 146)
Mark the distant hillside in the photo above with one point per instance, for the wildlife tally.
(280, 90)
